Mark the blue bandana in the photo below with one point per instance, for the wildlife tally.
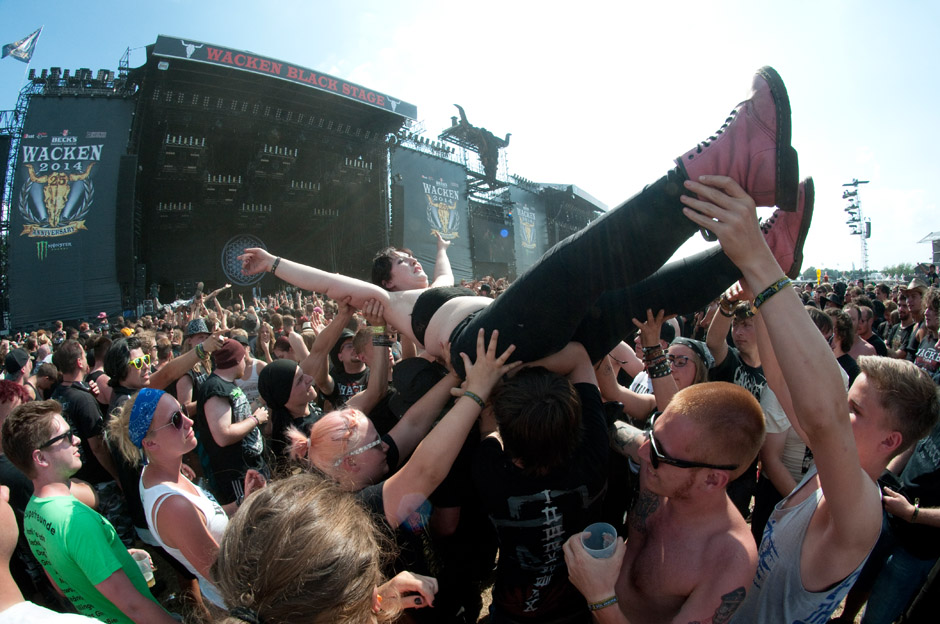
(142, 415)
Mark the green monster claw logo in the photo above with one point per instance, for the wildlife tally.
(42, 250)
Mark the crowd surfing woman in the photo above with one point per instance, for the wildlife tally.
(604, 273)
(184, 519)
(303, 551)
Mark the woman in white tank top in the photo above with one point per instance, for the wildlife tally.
(185, 519)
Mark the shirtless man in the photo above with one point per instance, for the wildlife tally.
(690, 555)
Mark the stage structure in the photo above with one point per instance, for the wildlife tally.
(122, 188)
(498, 224)
(238, 150)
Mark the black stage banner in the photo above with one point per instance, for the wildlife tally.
(201, 52)
(62, 252)
(434, 201)
(530, 225)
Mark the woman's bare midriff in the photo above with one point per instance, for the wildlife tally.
(447, 317)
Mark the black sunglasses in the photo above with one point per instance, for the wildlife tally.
(657, 456)
(176, 420)
(67, 435)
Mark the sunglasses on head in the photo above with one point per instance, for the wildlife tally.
(361, 449)
(176, 420)
(141, 361)
(657, 456)
(67, 435)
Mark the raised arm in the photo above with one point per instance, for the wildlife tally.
(664, 386)
(443, 275)
(821, 406)
(317, 363)
(407, 489)
(337, 287)
(717, 337)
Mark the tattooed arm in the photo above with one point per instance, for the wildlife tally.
(626, 440)
(722, 586)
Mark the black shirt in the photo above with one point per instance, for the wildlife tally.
(81, 412)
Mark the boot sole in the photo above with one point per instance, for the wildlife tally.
(788, 167)
(809, 199)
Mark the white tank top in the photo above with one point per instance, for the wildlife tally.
(216, 521)
(250, 386)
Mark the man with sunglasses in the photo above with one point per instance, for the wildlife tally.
(690, 555)
(78, 548)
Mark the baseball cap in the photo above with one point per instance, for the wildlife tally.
(15, 360)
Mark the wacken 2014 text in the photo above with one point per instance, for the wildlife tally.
(247, 61)
(35, 153)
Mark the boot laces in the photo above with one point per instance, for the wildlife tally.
(707, 142)
(769, 223)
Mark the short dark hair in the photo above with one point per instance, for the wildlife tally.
(25, 429)
(66, 357)
(382, 264)
(118, 357)
(538, 414)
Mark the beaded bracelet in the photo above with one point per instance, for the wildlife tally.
(771, 290)
(600, 604)
(474, 398)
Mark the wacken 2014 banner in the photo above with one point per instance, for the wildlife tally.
(435, 202)
(62, 254)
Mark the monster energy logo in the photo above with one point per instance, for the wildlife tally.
(42, 250)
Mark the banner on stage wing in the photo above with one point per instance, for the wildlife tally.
(531, 228)
(201, 52)
(62, 238)
(435, 203)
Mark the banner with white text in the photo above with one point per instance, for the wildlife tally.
(62, 238)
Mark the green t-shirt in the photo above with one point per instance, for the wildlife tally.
(79, 549)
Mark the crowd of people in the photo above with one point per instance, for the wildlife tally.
(351, 451)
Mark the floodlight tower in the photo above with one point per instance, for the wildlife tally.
(859, 225)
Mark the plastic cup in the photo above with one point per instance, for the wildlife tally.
(143, 562)
(599, 540)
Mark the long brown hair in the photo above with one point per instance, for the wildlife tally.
(302, 550)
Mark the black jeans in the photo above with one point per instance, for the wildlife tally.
(588, 287)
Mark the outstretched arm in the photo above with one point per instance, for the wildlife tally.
(806, 361)
(334, 285)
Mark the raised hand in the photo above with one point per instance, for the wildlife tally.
(650, 328)
(256, 260)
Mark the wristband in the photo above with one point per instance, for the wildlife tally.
(382, 341)
(771, 290)
(200, 351)
(916, 510)
(474, 398)
(276, 262)
(601, 604)
(257, 422)
(721, 311)
(377, 329)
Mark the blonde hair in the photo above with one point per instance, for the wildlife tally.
(119, 435)
(907, 393)
(302, 550)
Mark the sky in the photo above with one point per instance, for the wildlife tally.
(596, 94)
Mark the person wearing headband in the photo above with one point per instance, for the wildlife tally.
(154, 429)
